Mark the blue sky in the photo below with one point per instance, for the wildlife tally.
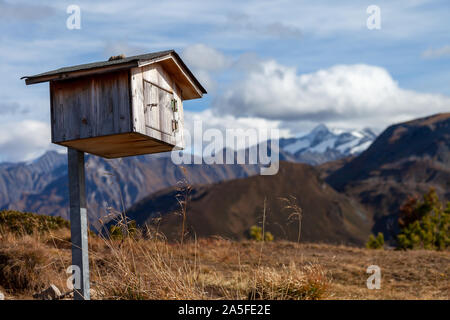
(284, 64)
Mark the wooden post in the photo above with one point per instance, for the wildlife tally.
(78, 222)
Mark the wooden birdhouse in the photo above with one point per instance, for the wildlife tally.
(121, 107)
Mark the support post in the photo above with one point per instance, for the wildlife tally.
(78, 223)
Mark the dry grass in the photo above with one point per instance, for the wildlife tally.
(151, 270)
(28, 263)
(290, 283)
(221, 269)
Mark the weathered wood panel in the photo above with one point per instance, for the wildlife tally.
(165, 112)
(119, 114)
(91, 106)
(137, 100)
(121, 145)
(188, 88)
(156, 75)
(152, 107)
(158, 89)
(159, 117)
(178, 116)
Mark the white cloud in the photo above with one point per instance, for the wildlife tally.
(211, 120)
(204, 57)
(266, 18)
(24, 140)
(356, 95)
(222, 122)
(12, 109)
(436, 53)
(205, 61)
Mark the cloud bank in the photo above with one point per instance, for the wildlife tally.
(24, 140)
(206, 62)
(348, 95)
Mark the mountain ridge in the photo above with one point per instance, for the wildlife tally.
(407, 159)
(229, 208)
(322, 144)
(112, 184)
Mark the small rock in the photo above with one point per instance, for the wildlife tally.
(51, 293)
(67, 295)
(93, 293)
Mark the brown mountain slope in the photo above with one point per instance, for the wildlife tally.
(122, 182)
(405, 160)
(229, 209)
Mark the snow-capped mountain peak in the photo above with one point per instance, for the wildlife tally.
(323, 144)
(319, 129)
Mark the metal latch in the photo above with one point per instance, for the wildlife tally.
(151, 105)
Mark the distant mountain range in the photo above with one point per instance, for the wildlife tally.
(41, 185)
(405, 160)
(322, 144)
(350, 192)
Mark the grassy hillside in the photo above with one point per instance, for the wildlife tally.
(139, 268)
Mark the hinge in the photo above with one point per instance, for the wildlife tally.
(174, 125)
(174, 105)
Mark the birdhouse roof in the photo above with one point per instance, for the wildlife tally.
(170, 60)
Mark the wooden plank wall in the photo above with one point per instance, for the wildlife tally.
(160, 88)
(137, 100)
(179, 116)
(90, 106)
(115, 103)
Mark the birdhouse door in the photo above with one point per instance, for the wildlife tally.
(158, 109)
